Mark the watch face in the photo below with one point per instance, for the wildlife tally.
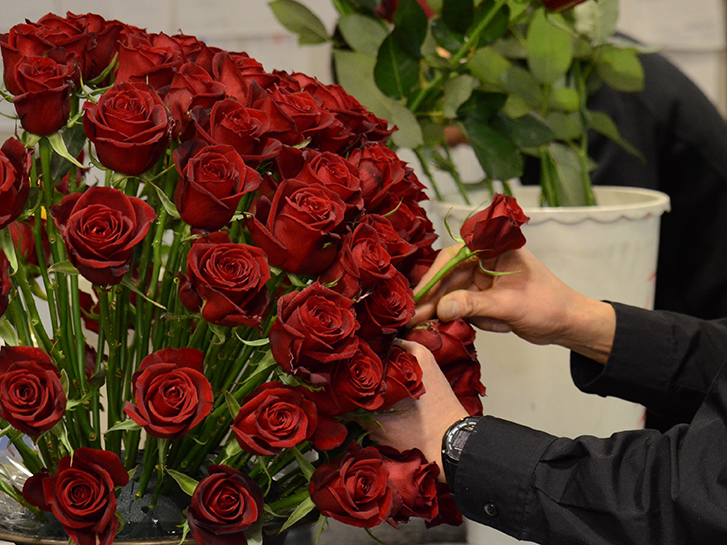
(457, 437)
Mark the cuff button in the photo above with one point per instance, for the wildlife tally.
(490, 510)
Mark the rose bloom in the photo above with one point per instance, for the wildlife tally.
(106, 35)
(353, 488)
(274, 417)
(403, 377)
(5, 283)
(23, 235)
(465, 379)
(314, 330)
(299, 229)
(561, 5)
(15, 163)
(226, 281)
(389, 307)
(81, 494)
(31, 395)
(496, 229)
(191, 86)
(448, 342)
(44, 103)
(100, 227)
(171, 392)
(415, 481)
(212, 180)
(224, 505)
(151, 59)
(130, 127)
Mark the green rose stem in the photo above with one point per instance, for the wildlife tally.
(147, 465)
(18, 315)
(20, 279)
(290, 501)
(43, 266)
(168, 296)
(113, 439)
(463, 254)
(582, 90)
(27, 453)
(425, 167)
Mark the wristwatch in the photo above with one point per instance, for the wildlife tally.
(452, 444)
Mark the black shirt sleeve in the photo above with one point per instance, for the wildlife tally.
(636, 487)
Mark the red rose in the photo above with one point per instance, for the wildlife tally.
(496, 229)
(398, 248)
(151, 59)
(294, 116)
(31, 395)
(100, 228)
(449, 342)
(243, 128)
(212, 180)
(22, 233)
(389, 307)
(362, 262)
(171, 392)
(15, 163)
(403, 377)
(224, 505)
(5, 283)
(81, 494)
(274, 417)
(353, 488)
(191, 86)
(464, 378)
(227, 281)
(106, 40)
(410, 220)
(355, 383)
(68, 36)
(299, 228)
(415, 482)
(239, 72)
(44, 103)
(561, 5)
(315, 330)
(130, 127)
(196, 51)
(448, 512)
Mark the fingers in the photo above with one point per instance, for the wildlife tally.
(465, 304)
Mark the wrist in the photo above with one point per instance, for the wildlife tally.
(591, 329)
(453, 444)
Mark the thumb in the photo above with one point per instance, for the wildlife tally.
(478, 306)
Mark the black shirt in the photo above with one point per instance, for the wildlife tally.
(636, 487)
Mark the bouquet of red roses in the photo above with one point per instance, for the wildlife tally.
(204, 268)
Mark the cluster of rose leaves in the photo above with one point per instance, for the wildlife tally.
(387, 8)
(330, 202)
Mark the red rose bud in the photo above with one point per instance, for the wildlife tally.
(81, 495)
(22, 233)
(403, 377)
(192, 86)
(171, 392)
(389, 307)
(44, 103)
(448, 512)
(353, 488)
(314, 331)
(105, 43)
(448, 342)
(561, 5)
(299, 229)
(496, 229)
(152, 59)
(5, 283)
(274, 417)
(15, 163)
(464, 378)
(212, 180)
(334, 172)
(224, 505)
(227, 281)
(415, 482)
(100, 228)
(31, 395)
(129, 126)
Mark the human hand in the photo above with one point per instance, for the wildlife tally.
(529, 301)
(421, 423)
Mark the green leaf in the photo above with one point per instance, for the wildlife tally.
(458, 14)
(65, 383)
(481, 106)
(564, 98)
(362, 33)
(232, 448)
(232, 405)
(59, 146)
(568, 166)
(408, 133)
(305, 466)
(126, 425)
(515, 107)
(597, 20)
(520, 82)
(304, 507)
(488, 65)
(127, 283)
(7, 246)
(254, 534)
(185, 482)
(621, 69)
(495, 28)
(65, 267)
(59, 430)
(496, 153)
(396, 72)
(168, 205)
(74, 139)
(355, 72)
(566, 126)
(8, 333)
(410, 27)
(257, 342)
(456, 92)
(446, 37)
(526, 131)
(300, 20)
(550, 48)
(603, 124)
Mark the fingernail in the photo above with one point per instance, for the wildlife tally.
(448, 309)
